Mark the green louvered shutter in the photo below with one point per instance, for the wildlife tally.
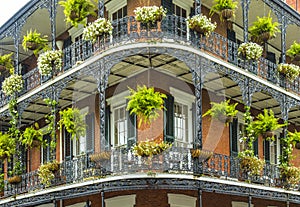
(169, 119)
(233, 131)
(131, 129)
(90, 132)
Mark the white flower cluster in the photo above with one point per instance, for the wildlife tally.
(147, 14)
(201, 22)
(49, 61)
(12, 84)
(250, 51)
(96, 29)
(291, 71)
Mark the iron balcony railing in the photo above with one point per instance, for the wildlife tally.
(172, 28)
(120, 161)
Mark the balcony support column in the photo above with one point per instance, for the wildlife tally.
(282, 19)
(245, 6)
(102, 199)
(52, 12)
(249, 201)
(197, 7)
(200, 197)
(101, 8)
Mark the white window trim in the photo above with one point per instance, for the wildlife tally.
(187, 5)
(114, 102)
(124, 201)
(76, 32)
(240, 204)
(186, 99)
(179, 200)
(114, 6)
(82, 204)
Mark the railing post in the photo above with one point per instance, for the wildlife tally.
(245, 6)
(102, 199)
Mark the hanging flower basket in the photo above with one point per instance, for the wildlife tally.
(50, 61)
(99, 28)
(201, 24)
(15, 179)
(227, 13)
(12, 84)
(290, 71)
(150, 14)
(100, 157)
(250, 51)
(264, 37)
(31, 45)
(202, 155)
(268, 134)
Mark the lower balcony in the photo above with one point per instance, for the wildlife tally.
(122, 162)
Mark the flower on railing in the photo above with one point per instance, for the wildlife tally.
(250, 163)
(290, 71)
(202, 24)
(46, 172)
(148, 14)
(12, 84)
(290, 174)
(98, 28)
(50, 61)
(250, 51)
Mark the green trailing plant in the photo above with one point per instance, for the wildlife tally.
(294, 50)
(46, 172)
(7, 63)
(73, 121)
(1, 181)
(150, 148)
(250, 51)
(50, 120)
(222, 110)
(35, 41)
(7, 146)
(201, 24)
(290, 175)
(97, 29)
(77, 10)
(266, 122)
(264, 29)
(32, 137)
(145, 103)
(290, 71)
(226, 7)
(150, 14)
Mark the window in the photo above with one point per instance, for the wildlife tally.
(178, 11)
(122, 12)
(120, 126)
(45, 151)
(272, 150)
(124, 201)
(183, 124)
(122, 129)
(240, 204)
(183, 8)
(178, 200)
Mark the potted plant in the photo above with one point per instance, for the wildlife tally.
(16, 172)
(12, 84)
(34, 41)
(223, 111)
(264, 29)
(73, 121)
(50, 61)
(46, 172)
(145, 103)
(250, 51)
(294, 51)
(202, 155)
(295, 137)
(149, 14)
(7, 146)
(266, 123)
(290, 175)
(98, 29)
(32, 137)
(201, 24)
(290, 71)
(6, 63)
(225, 7)
(150, 148)
(249, 163)
(77, 10)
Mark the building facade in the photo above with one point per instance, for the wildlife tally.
(99, 168)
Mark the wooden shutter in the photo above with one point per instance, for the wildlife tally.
(169, 119)
(231, 35)
(255, 146)
(233, 131)
(131, 129)
(46, 150)
(68, 146)
(107, 128)
(168, 4)
(90, 132)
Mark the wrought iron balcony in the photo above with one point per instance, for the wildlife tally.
(118, 162)
(171, 29)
